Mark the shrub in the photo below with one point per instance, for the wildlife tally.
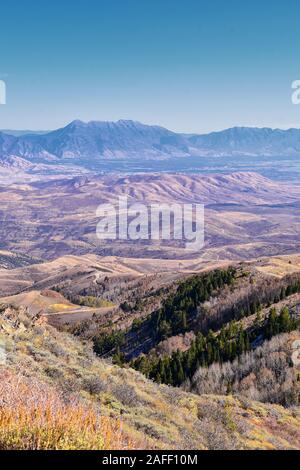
(126, 394)
(93, 385)
(33, 416)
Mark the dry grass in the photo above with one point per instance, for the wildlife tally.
(280, 266)
(35, 416)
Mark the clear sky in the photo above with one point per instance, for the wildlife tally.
(189, 65)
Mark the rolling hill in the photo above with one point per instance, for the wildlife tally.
(246, 215)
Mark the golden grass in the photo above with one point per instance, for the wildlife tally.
(33, 416)
(60, 307)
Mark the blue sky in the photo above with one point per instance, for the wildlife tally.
(189, 65)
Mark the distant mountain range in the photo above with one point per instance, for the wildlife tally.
(82, 143)
(18, 133)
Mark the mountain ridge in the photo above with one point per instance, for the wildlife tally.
(85, 143)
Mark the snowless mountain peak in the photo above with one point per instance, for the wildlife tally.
(91, 142)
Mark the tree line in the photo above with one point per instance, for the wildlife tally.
(182, 306)
(232, 341)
